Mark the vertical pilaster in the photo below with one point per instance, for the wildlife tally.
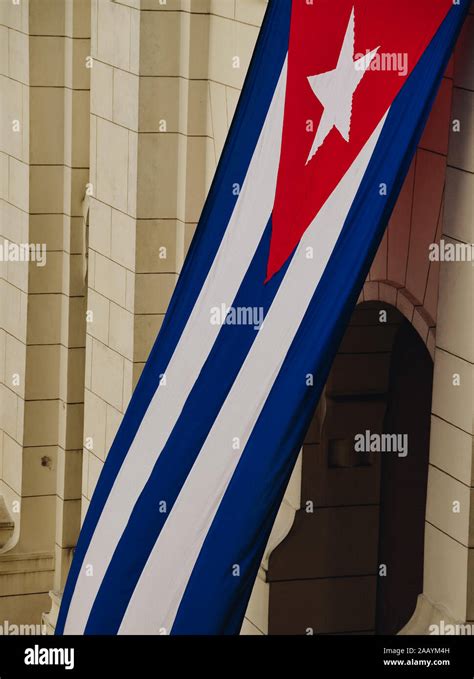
(44, 166)
(449, 529)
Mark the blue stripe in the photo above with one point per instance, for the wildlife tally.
(264, 71)
(182, 448)
(215, 600)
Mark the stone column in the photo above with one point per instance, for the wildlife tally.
(449, 532)
(44, 168)
(77, 24)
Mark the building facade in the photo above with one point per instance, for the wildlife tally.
(113, 115)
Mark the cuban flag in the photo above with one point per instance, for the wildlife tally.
(333, 106)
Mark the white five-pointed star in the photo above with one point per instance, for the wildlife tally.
(335, 89)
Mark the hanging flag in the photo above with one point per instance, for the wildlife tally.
(333, 106)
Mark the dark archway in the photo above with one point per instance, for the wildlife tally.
(353, 561)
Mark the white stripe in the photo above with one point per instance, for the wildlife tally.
(245, 229)
(155, 601)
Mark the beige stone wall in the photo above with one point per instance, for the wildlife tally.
(449, 538)
(44, 160)
(164, 82)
